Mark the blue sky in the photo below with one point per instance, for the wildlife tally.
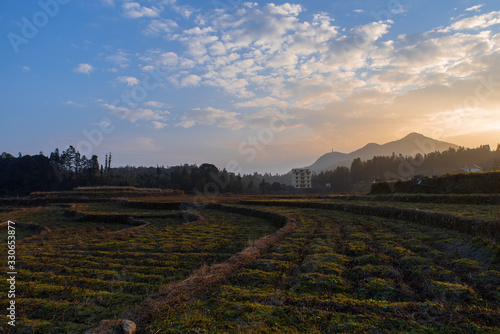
(250, 86)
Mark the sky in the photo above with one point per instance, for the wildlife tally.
(247, 86)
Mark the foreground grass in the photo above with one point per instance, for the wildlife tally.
(82, 272)
(336, 273)
(343, 273)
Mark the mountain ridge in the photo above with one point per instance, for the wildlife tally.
(411, 144)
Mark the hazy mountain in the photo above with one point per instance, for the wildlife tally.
(410, 145)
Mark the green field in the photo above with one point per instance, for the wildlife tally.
(337, 272)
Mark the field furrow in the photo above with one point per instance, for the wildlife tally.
(341, 272)
(315, 265)
(79, 267)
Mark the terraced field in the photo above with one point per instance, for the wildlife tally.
(336, 272)
(115, 209)
(482, 211)
(345, 273)
(82, 272)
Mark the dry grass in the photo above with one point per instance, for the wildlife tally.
(488, 228)
(345, 273)
(341, 269)
(107, 192)
(85, 271)
(204, 280)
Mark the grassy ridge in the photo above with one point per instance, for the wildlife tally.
(467, 207)
(107, 192)
(463, 183)
(488, 228)
(431, 198)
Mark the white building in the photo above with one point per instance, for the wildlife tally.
(301, 178)
(472, 169)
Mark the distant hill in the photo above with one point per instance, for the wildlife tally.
(410, 145)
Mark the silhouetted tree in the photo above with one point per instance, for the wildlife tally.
(264, 186)
(276, 186)
(356, 170)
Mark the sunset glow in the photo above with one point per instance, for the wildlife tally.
(271, 86)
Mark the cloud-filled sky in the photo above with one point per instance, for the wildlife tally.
(250, 86)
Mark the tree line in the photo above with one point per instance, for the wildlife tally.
(58, 171)
(65, 170)
(362, 174)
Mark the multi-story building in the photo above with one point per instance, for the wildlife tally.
(301, 178)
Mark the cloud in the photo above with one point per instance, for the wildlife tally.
(263, 27)
(84, 68)
(436, 110)
(436, 59)
(104, 123)
(25, 68)
(130, 81)
(134, 10)
(277, 119)
(210, 116)
(197, 41)
(185, 11)
(74, 104)
(190, 81)
(332, 78)
(198, 31)
(156, 118)
(160, 26)
(158, 125)
(477, 21)
(475, 8)
(496, 39)
(397, 8)
(285, 9)
(262, 102)
(157, 59)
(283, 49)
(121, 60)
(154, 104)
(283, 59)
(134, 115)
